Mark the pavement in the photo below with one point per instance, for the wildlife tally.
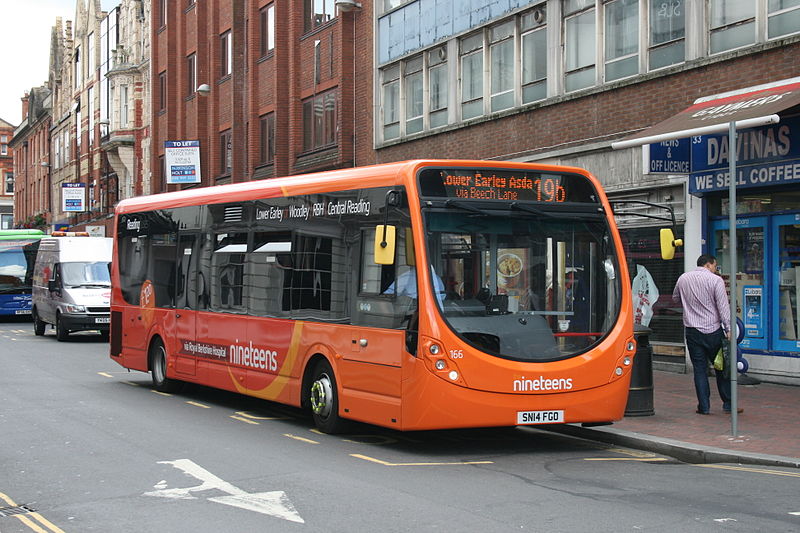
(768, 430)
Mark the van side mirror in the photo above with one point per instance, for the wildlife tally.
(669, 243)
(385, 238)
(52, 286)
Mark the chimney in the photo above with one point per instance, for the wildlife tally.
(25, 99)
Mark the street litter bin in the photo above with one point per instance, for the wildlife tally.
(640, 393)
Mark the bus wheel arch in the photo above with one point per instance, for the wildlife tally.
(321, 395)
(157, 365)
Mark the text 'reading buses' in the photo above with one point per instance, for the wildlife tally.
(412, 295)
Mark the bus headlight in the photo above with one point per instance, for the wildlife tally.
(435, 349)
(626, 361)
(618, 371)
(631, 346)
(453, 375)
(441, 364)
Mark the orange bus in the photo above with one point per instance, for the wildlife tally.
(411, 295)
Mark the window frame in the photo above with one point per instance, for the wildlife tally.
(472, 52)
(655, 48)
(312, 19)
(621, 37)
(191, 74)
(266, 17)
(730, 26)
(325, 126)
(572, 73)
(225, 54)
(162, 91)
(267, 140)
(225, 152)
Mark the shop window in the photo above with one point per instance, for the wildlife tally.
(622, 39)
(783, 18)
(437, 87)
(580, 49)
(501, 56)
(391, 102)
(413, 92)
(732, 24)
(534, 57)
(472, 76)
(667, 33)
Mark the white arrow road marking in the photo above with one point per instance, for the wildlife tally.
(274, 503)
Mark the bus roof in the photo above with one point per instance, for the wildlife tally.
(318, 182)
(17, 234)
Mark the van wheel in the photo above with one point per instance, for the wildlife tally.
(324, 399)
(38, 325)
(158, 369)
(61, 333)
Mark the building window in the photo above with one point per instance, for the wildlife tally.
(3, 144)
(225, 53)
(225, 152)
(78, 130)
(472, 76)
(90, 114)
(162, 13)
(123, 106)
(501, 54)
(90, 56)
(733, 24)
(318, 12)
(9, 183)
(783, 18)
(622, 39)
(437, 87)
(267, 148)
(579, 32)
(667, 33)
(162, 91)
(78, 74)
(319, 121)
(391, 102)
(191, 74)
(534, 57)
(414, 95)
(267, 17)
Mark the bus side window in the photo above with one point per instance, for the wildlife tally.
(227, 272)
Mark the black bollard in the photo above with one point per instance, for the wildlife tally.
(640, 393)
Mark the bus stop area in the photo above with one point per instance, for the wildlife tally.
(768, 432)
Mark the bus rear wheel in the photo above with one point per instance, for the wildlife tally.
(324, 399)
(158, 369)
(38, 325)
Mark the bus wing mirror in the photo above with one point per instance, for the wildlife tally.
(385, 238)
(669, 243)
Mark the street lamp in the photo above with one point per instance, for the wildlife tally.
(204, 89)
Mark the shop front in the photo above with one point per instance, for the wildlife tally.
(767, 265)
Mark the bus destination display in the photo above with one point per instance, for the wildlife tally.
(487, 184)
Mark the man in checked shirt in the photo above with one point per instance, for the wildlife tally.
(706, 317)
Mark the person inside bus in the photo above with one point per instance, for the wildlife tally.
(406, 284)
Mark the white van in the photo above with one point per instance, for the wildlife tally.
(72, 285)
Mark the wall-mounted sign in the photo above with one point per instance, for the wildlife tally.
(669, 157)
(73, 197)
(182, 161)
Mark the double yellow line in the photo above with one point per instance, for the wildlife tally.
(33, 520)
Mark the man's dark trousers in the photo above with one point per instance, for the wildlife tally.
(703, 348)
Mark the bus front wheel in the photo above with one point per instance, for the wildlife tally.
(158, 369)
(324, 399)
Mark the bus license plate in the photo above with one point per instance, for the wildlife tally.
(22, 312)
(540, 417)
(102, 320)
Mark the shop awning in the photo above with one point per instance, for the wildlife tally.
(751, 107)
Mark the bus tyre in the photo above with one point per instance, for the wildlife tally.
(324, 399)
(38, 325)
(158, 368)
(61, 332)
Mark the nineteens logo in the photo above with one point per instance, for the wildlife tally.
(253, 356)
(541, 383)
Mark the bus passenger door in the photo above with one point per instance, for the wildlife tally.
(186, 304)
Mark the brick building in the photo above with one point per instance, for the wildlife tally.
(557, 81)
(267, 87)
(6, 176)
(30, 147)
